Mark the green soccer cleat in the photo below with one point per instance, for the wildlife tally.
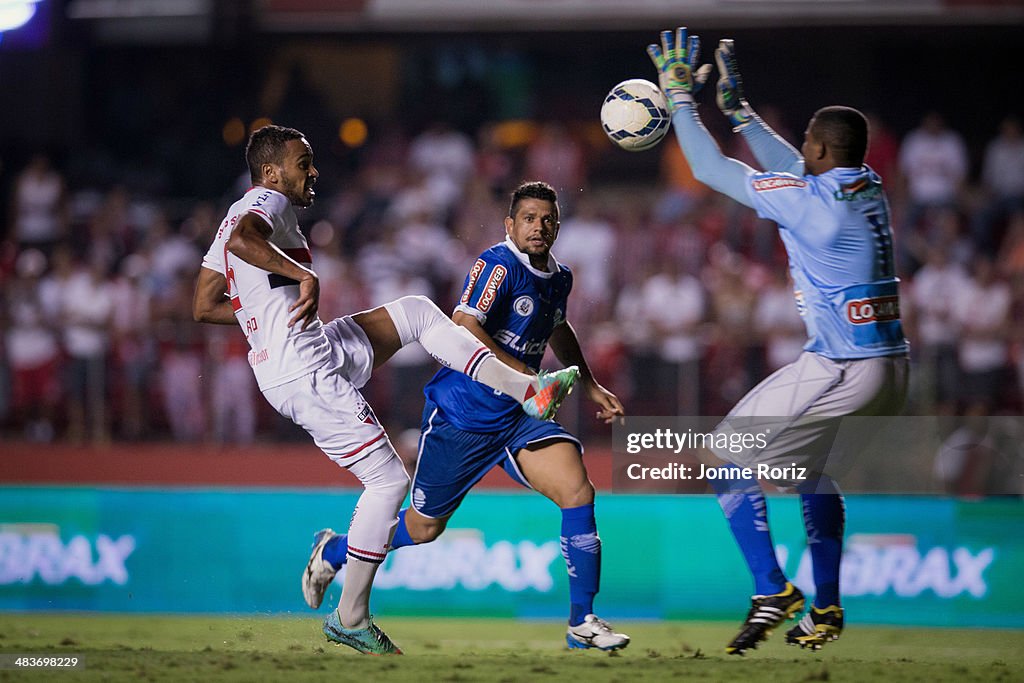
(766, 613)
(819, 626)
(370, 640)
(554, 387)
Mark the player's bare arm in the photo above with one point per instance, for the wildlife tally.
(566, 347)
(249, 242)
(474, 326)
(210, 303)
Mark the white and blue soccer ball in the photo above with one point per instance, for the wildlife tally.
(635, 115)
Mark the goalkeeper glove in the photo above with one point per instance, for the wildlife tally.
(676, 61)
(730, 87)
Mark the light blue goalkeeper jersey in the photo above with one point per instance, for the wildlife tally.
(836, 230)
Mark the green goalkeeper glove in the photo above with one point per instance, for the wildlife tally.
(676, 61)
(730, 86)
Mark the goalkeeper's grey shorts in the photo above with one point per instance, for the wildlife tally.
(794, 417)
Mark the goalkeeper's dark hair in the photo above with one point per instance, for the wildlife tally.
(844, 131)
(266, 146)
(534, 189)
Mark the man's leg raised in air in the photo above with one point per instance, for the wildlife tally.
(556, 471)
(417, 319)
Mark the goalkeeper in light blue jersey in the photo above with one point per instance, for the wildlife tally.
(833, 219)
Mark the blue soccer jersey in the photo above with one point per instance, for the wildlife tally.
(518, 306)
(836, 230)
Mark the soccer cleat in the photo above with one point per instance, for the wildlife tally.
(595, 632)
(319, 572)
(554, 387)
(766, 612)
(370, 640)
(818, 627)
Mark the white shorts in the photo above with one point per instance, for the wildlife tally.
(327, 403)
(793, 415)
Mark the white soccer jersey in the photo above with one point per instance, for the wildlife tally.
(261, 299)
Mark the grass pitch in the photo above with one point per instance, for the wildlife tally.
(173, 648)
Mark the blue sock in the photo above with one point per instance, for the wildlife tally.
(746, 510)
(336, 549)
(581, 548)
(825, 520)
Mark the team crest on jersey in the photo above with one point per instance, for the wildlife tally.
(523, 305)
(878, 309)
(365, 414)
(491, 289)
(474, 275)
(777, 183)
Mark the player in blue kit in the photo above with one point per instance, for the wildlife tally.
(833, 219)
(514, 301)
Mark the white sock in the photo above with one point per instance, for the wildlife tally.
(373, 524)
(354, 607)
(417, 319)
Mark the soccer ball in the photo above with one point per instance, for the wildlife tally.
(635, 115)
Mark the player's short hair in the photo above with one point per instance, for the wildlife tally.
(266, 146)
(844, 130)
(534, 189)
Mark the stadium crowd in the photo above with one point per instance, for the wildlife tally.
(681, 297)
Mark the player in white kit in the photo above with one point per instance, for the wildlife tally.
(258, 274)
(833, 219)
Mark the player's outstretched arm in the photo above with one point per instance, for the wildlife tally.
(709, 165)
(770, 150)
(249, 242)
(566, 347)
(210, 303)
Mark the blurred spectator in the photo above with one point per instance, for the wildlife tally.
(672, 305)
(934, 295)
(778, 322)
(933, 162)
(983, 311)
(39, 206)
(555, 157)
(1002, 182)
(86, 308)
(33, 353)
(445, 158)
(586, 243)
(181, 360)
(232, 386)
(883, 151)
(985, 456)
(732, 356)
(134, 350)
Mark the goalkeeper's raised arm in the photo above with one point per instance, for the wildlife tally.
(770, 150)
(680, 79)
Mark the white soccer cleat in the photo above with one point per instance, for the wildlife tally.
(595, 632)
(319, 572)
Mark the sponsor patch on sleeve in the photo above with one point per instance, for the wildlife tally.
(491, 289)
(777, 183)
(474, 275)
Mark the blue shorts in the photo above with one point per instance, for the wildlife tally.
(452, 461)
